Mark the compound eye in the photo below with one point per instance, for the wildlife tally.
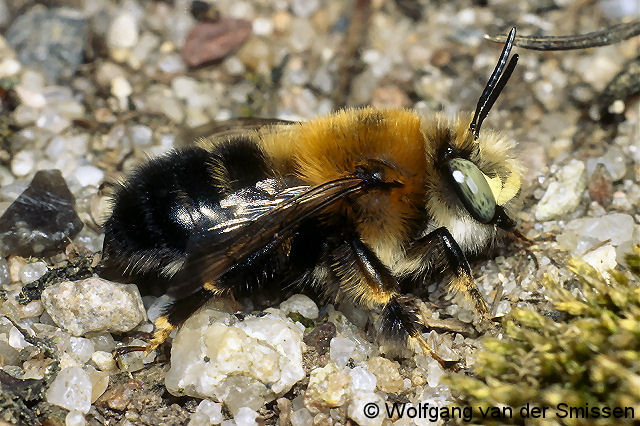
(472, 189)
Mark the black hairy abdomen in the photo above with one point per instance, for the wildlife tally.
(158, 209)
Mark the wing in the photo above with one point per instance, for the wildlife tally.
(235, 241)
(228, 129)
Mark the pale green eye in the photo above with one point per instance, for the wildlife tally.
(472, 188)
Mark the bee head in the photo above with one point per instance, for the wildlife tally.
(476, 177)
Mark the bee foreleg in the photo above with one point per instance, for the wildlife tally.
(444, 252)
(366, 280)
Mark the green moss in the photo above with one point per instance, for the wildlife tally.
(589, 358)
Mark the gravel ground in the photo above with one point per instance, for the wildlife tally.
(93, 88)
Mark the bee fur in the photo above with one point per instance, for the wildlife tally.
(355, 204)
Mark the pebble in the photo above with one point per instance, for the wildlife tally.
(388, 379)
(613, 160)
(60, 32)
(362, 380)
(563, 195)
(89, 176)
(360, 409)
(246, 417)
(41, 219)
(71, 389)
(32, 271)
(301, 304)
(80, 348)
(341, 350)
(122, 36)
(94, 304)
(99, 382)
(121, 88)
(23, 163)
(246, 363)
(328, 387)
(5, 277)
(301, 417)
(320, 337)
(75, 418)
(104, 360)
(212, 41)
(579, 235)
(207, 413)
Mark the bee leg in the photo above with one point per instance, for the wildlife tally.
(366, 280)
(448, 255)
(175, 313)
(400, 321)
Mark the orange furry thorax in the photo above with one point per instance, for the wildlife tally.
(333, 146)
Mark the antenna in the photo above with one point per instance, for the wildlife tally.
(494, 86)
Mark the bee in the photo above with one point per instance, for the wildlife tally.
(358, 204)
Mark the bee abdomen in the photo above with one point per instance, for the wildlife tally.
(169, 200)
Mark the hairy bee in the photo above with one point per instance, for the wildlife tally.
(357, 204)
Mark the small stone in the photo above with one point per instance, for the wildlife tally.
(600, 186)
(52, 121)
(362, 409)
(434, 373)
(341, 349)
(99, 382)
(75, 418)
(320, 337)
(71, 389)
(80, 348)
(41, 219)
(388, 378)
(328, 388)
(580, 235)
(16, 339)
(119, 397)
(207, 413)
(94, 304)
(243, 364)
(603, 259)
(32, 271)
(5, 278)
(22, 163)
(120, 87)
(50, 40)
(212, 41)
(141, 135)
(104, 361)
(304, 8)
(615, 163)
(362, 380)
(301, 417)
(89, 176)
(122, 35)
(389, 97)
(102, 341)
(246, 417)
(564, 194)
(301, 304)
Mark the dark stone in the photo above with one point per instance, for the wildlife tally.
(51, 41)
(41, 220)
(320, 337)
(213, 41)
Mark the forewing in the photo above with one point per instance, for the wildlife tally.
(232, 242)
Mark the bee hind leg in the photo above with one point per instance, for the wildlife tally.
(175, 314)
